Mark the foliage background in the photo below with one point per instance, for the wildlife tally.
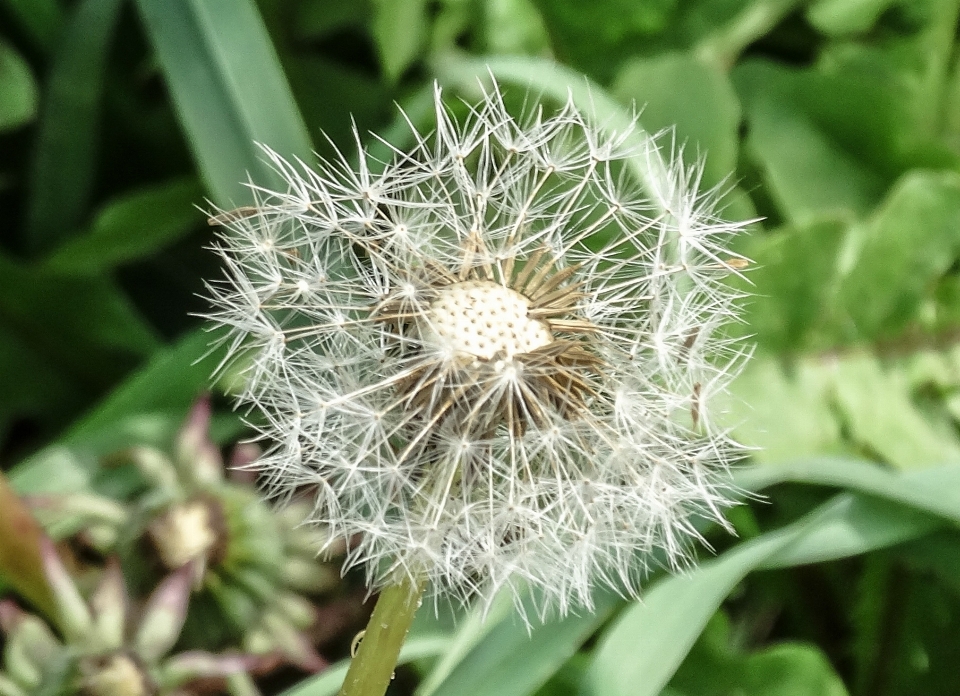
(840, 123)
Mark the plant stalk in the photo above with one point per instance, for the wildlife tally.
(372, 667)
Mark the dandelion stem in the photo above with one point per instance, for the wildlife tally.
(372, 667)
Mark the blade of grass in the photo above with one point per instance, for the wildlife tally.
(228, 88)
(643, 649)
(171, 380)
(63, 169)
(514, 660)
(864, 477)
(132, 227)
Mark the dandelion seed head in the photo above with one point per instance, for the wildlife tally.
(493, 359)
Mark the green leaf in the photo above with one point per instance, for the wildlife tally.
(791, 284)
(132, 227)
(880, 415)
(676, 90)
(40, 19)
(791, 670)
(514, 27)
(784, 414)
(398, 28)
(866, 524)
(586, 35)
(641, 651)
(898, 257)
(63, 169)
(18, 89)
(85, 326)
(171, 380)
(717, 666)
(512, 660)
(471, 629)
(918, 489)
(816, 158)
(840, 17)
(229, 90)
(638, 655)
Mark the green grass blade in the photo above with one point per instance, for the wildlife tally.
(228, 88)
(640, 653)
(171, 380)
(515, 660)
(914, 490)
(64, 161)
(132, 227)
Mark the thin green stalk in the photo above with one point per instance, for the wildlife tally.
(372, 667)
(724, 46)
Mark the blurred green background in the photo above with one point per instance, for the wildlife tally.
(836, 121)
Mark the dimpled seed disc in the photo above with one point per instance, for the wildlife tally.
(481, 318)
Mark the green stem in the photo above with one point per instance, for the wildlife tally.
(372, 667)
(723, 47)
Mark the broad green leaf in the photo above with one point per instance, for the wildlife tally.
(40, 19)
(791, 284)
(398, 30)
(587, 35)
(791, 670)
(784, 414)
(638, 655)
(908, 58)
(840, 17)
(229, 90)
(18, 89)
(473, 628)
(676, 90)
(515, 27)
(717, 666)
(898, 256)
(876, 405)
(329, 681)
(863, 527)
(132, 227)
(63, 169)
(643, 648)
(816, 158)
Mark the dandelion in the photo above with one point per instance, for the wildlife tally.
(492, 358)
